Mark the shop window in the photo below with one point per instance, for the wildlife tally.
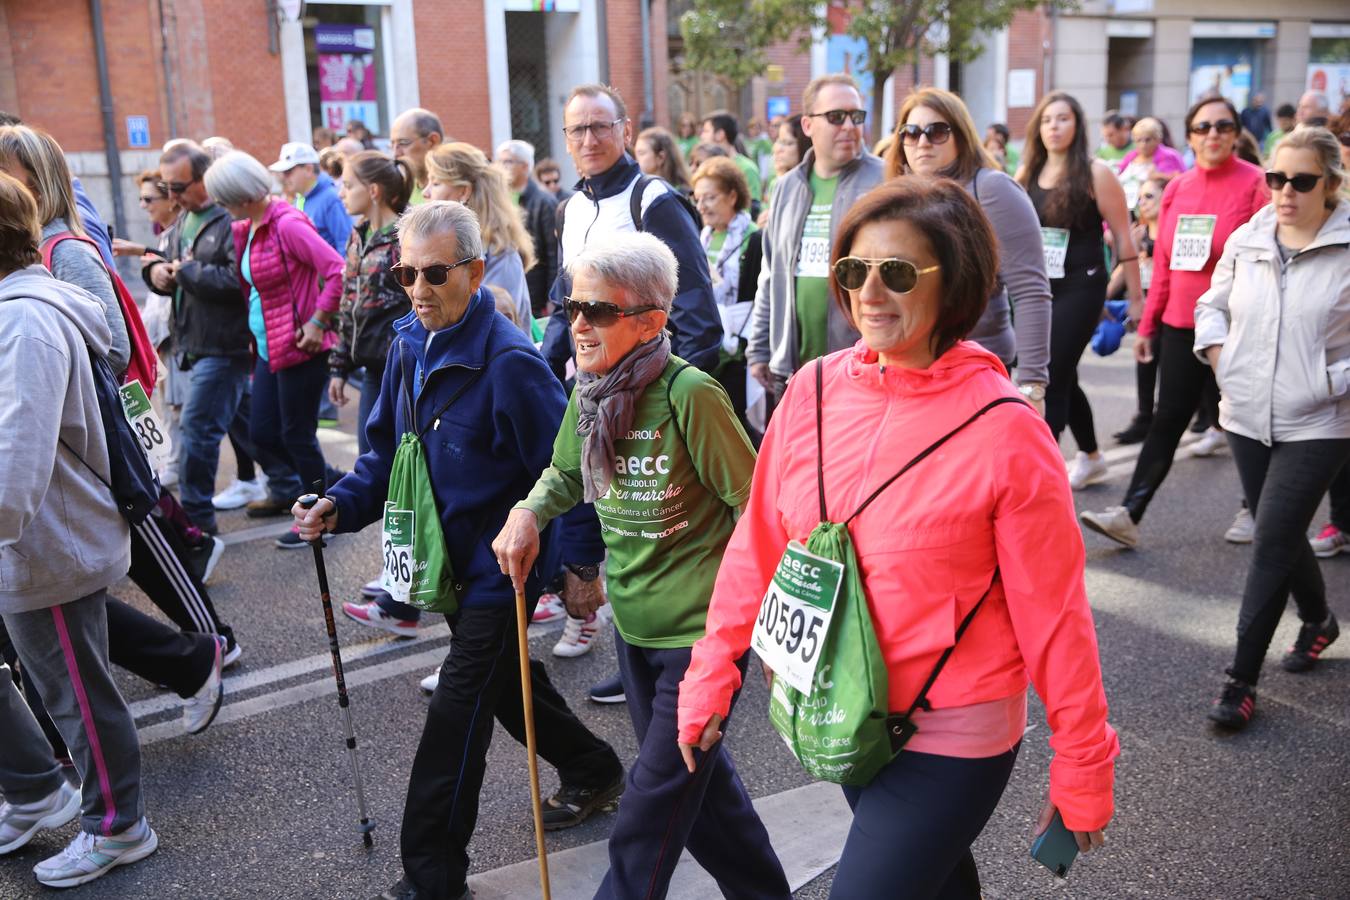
(343, 58)
(1231, 66)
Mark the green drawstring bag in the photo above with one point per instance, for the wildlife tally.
(415, 564)
(830, 699)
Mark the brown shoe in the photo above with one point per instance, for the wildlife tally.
(263, 509)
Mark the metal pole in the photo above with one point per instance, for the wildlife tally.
(648, 91)
(109, 127)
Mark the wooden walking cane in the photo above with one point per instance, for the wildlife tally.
(527, 699)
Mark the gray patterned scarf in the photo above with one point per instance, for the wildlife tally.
(605, 405)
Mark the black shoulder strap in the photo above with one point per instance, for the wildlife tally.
(469, 382)
(635, 200)
(675, 416)
(929, 451)
(921, 700)
(558, 215)
(820, 436)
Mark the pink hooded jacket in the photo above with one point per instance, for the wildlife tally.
(287, 259)
(996, 495)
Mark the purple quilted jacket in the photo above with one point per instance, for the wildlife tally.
(287, 260)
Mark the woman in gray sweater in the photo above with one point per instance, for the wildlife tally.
(936, 137)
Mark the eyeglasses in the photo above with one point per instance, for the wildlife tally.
(836, 117)
(1147, 196)
(550, 181)
(576, 134)
(899, 275)
(147, 200)
(1223, 126)
(707, 199)
(405, 143)
(1302, 183)
(435, 275)
(175, 187)
(601, 313)
(937, 133)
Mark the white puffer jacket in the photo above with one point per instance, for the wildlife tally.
(1284, 372)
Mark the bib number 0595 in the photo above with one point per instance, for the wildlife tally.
(794, 616)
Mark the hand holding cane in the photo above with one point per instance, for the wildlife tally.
(344, 703)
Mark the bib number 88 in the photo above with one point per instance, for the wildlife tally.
(789, 627)
(149, 434)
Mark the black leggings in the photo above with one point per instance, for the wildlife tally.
(1182, 381)
(913, 826)
(1284, 484)
(1074, 314)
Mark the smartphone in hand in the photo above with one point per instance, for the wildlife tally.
(1055, 848)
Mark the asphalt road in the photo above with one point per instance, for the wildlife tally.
(261, 805)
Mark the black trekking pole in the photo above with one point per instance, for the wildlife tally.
(367, 825)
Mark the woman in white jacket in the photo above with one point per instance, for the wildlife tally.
(1275, 325)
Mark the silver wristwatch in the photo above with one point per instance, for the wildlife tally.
(1033, 392)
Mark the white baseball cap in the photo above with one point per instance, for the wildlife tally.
(293, 155)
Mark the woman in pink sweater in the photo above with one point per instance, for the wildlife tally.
(293, 281)
(987, 516)
(1200, 209)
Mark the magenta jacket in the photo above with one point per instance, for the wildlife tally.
(1165, 160)
(287, 260)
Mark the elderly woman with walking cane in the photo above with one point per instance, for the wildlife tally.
(654, 444)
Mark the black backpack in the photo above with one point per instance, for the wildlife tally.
(635, 203)
(132, 481)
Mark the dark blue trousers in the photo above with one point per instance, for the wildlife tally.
(913, 826)
(665, 809)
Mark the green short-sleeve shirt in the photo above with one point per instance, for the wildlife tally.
(813, 270)
(670, 511)
(751, 171)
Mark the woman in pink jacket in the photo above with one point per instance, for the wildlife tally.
(293, 281)
(989, 515)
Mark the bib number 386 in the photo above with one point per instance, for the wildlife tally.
(795, 615)
(396, 548)
(150, 430)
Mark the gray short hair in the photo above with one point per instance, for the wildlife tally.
(521, 150)
(237, 178)
(637, 262)
(444, 217)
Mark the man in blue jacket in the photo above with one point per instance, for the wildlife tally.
(487, 409)
(315, 194)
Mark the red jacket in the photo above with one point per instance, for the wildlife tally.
(286, 260)
(1232, 192)
(996, 495)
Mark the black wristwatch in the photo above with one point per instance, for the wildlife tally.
(586, 571)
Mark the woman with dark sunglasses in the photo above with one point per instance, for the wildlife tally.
(1275, 327)
(981, 529)
(1073, 195)
(937, 138)
(1200, 210)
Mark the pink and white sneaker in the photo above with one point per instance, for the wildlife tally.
(577, 637)
(550, 609)
(370, 614)
(1330, 541)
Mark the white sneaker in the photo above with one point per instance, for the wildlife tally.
(90, 856)
(200, 709)
(1084, 470)
(428, 684)
(240, 494)
(549, 609)
(1115, 523)
(577, 636)
(169, 477)
(20, 821)
(1243, 529)
(1210, 443)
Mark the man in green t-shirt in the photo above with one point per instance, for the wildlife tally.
(654, 444)
(721, 129)
(1115, 137)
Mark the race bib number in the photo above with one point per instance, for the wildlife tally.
(150, 430)
(396, 542)
(1056, 244)
(814, 261)
(1192, 243)
(794, 616)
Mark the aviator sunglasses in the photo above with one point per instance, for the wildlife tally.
(899, 275)
(1301, 183)
(601, 313)
(435, 275)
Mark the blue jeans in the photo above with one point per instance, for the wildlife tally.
(283, 424)
(216, 386)
(913, 825)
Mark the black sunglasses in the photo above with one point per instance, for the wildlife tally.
(900, 275)
(175, 187)
(837, 116)
(1223, 126)
(1301, 183)
(601, 313)
(435, 275)
(937, 133)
